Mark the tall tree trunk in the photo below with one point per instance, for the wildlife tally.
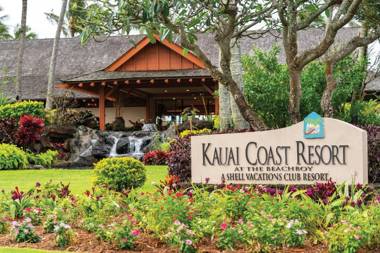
(21, 49)
(225, 114)
(295, 93)
(53, 59)
(237, 74)
(326, 104)
(363, 55)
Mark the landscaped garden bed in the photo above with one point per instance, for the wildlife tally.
(319, 218)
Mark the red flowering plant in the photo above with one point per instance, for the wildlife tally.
(156, 157)
(21, 201)
(29, 130)
(169, 185)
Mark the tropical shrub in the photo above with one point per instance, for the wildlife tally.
(45, 159)
(373, 135)
(362, 113)
(72, 117)
(165, 146)
(29, 130)
(155, 157)
(358, 229)
(3, 226)
(18, 109)
(179, 160)
(194, 132)
(120, 173)
(8, 130)
(12, 157)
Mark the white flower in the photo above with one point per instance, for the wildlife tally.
(177, 222)
(28, 220)
(290, 224)
(301, 232)
(190, 232)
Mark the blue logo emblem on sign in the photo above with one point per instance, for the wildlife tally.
(313, 126)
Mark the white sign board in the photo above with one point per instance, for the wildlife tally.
(300, 154)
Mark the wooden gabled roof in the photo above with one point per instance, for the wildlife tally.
(160, 55)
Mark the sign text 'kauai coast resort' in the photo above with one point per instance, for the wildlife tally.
(315, 150)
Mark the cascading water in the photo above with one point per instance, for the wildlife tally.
(113, 152)
(134, 147)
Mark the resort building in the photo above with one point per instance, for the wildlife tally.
(128, 76)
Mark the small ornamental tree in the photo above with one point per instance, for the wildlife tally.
(120, 173)
(296, 16)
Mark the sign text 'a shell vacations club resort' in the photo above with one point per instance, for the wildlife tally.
(315, 150)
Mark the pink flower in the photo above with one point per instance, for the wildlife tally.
(189, 242)
(135, 232)
(223, 226)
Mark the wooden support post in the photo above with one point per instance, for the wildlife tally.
(102, 109)
(148, 107)
(216, 105)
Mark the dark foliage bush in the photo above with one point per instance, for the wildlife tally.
(155, 157)
(8, 129)
(373, 152)
(179, 160)
(29, 130)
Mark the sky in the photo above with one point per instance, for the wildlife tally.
(36, 18)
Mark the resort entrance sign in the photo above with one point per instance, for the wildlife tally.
(315, 150)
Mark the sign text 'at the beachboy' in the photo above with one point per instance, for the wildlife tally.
(315, 150)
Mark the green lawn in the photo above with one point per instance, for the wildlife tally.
(80, 180)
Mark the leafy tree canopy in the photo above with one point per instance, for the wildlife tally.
(267, 86)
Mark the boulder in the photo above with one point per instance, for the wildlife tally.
(122, 146)
(88, 145)
(118, 124)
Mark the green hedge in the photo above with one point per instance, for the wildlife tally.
(120, 173)
(12, 157)
(16, 110)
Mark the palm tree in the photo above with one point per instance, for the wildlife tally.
(29, 35)
(21, 49)
(53, 59)
(4, 31)
(71, 24)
